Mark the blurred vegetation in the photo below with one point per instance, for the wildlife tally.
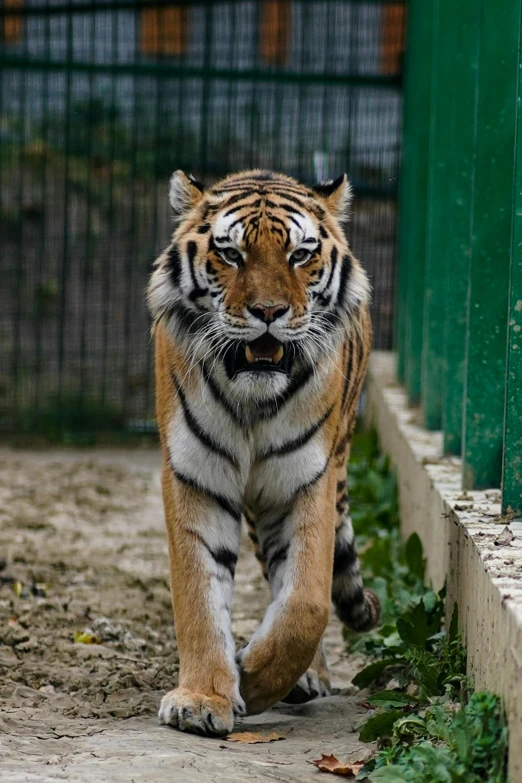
(71, 419)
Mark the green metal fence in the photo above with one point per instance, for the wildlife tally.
(459, 316)
(100, 100)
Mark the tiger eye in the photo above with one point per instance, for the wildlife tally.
(299, 255)
(232, 255)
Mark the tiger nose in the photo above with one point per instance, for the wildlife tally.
(268, 314)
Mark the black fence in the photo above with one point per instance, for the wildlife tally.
(99, 103)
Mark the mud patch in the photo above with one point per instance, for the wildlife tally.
(83, 550)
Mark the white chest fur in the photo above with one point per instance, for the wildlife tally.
(264, 466)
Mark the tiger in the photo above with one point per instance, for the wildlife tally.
(262, 332)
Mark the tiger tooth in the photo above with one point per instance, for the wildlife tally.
(249, 355)
(276, 358)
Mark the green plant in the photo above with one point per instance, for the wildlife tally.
(430, 727)
(444, 744)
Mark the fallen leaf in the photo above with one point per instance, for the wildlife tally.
(20, 590)
(336, 767)
(86, 637)
(505, 538)
(12, 622)
(252, 738)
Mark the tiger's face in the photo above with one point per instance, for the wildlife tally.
(258, 283)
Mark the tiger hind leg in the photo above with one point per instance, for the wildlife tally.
(314, 682)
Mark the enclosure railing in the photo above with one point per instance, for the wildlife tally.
(100, 101)
(459, 314)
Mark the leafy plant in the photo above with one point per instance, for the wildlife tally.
(442, 744)
(423, 733)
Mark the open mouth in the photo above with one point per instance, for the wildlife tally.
(265, 354)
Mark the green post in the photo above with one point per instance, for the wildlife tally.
(438, 214)
(512, 462)
(491, 242)
(463, 48)
(406, 186)
(413, 221)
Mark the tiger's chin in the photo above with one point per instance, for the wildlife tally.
(258, 386)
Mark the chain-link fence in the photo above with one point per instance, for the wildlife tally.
(100, 102)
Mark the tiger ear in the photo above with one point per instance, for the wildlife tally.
(184, 192)
(337, 193)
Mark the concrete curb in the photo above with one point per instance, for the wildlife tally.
(461, 535)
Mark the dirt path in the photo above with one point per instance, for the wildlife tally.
(82, 549)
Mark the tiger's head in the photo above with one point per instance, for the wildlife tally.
(259, 284)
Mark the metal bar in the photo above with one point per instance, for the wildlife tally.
(205, 97)
(92, 7)
(107, 277)
(512, 455)
(85, 313)
(65, 260)
(438, 214)
(491, 243)
(132, 247)
(405, 196)
(230, 92)
(462, 95)
(17, 363)
(44, 240)
(301, 101)
(184, 72)
(413, 223)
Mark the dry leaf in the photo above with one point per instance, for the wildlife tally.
(86, 637)
(505, 538)
(20, 589)
(12, 622)
(336, 767)
(252, 738)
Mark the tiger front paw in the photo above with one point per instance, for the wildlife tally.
(211, 716)
(265, 676)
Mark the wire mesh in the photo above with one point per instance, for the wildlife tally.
(100, 102)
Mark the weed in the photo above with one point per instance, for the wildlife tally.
(429, 725)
